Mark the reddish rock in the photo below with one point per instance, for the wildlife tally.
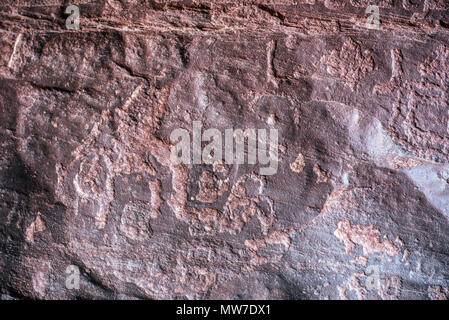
(358, 208)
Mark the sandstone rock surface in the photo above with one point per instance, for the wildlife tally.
(359, 206)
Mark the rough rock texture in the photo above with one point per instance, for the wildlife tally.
(86, 177)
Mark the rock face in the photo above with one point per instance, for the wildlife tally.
(358, 207)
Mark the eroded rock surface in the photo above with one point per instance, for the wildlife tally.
(359, 206)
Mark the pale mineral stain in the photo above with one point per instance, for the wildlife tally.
(368, 237)
(299, 164)
(322, 176)
(38, 225)
(16, 45)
